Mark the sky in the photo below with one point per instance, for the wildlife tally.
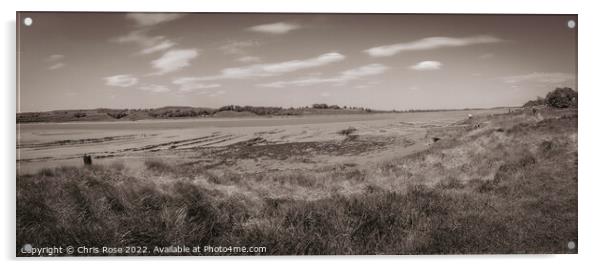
(380, 61)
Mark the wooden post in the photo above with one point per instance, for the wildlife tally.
(87, 159)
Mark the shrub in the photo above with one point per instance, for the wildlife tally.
(347, 132)
(118, 115)
(562, 98)
(538, 102)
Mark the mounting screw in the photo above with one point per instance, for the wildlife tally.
(571, 24)
(28, 21)
(571, 245)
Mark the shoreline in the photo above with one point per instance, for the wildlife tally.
(251, 117)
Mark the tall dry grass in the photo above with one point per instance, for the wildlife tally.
(509, 186)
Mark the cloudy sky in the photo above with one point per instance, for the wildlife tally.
(135, 60)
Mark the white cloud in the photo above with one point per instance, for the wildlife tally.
(165, 44)
(289, 66)
(55, 61)
(123, 81)
(275, 28)
(260, 70)
(56, 66)
(148, 44)
(188, 84)
(325, 94)
(274, 69)
(366, 70)
(340, 79)
(55, 57)
(150, 19)
(430, 43)
(545, 78)
(137, 36)
(248, 59)
(237, 47)
(367, 84)
(427, 66)
(154, 88)
(174, 60)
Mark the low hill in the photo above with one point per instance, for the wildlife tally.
(170, 112)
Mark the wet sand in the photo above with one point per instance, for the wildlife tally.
(244, 144)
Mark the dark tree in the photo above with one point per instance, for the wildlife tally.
(562, 98)
(320, 106)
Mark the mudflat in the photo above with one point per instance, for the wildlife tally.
(294, 140)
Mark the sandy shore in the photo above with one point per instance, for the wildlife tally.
(287, 142)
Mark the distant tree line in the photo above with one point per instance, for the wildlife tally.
(180, 112)
(269, 110)
(177, 112)
(259, 110)
(433, 110)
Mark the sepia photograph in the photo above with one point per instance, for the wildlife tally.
(243, 134)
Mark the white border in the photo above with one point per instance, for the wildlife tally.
(589, 129)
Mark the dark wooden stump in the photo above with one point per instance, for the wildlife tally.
(87, 160)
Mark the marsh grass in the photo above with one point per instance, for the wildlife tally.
(477, 191)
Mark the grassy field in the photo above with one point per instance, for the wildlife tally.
(502, 183)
